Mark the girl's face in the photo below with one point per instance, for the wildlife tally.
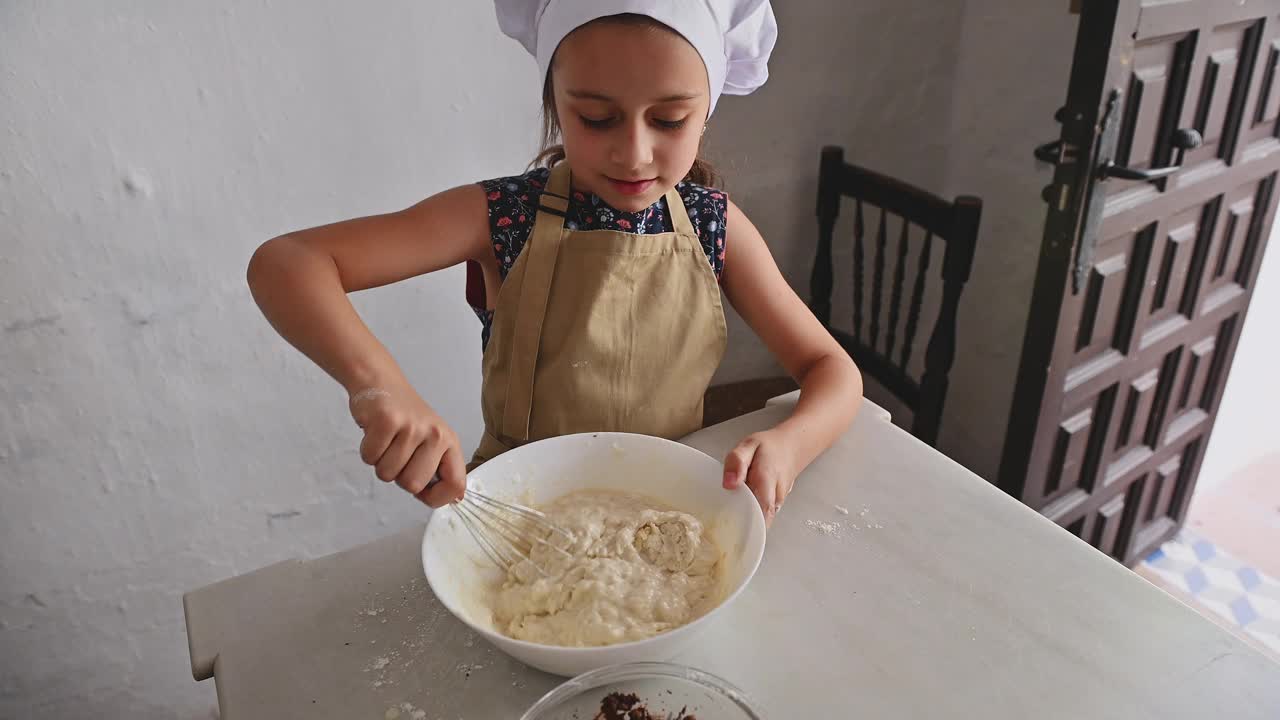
(632, 102)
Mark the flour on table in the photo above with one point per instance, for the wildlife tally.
(839, 527)
(416, 612)
(826, 528)
(404, 711)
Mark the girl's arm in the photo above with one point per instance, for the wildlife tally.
(300, 280)
(830, 384)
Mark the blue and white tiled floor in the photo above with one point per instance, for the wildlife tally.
(1214, 581)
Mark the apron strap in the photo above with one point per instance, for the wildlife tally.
(543, 247)
(679, 216)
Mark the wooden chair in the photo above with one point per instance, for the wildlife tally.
(954, 223)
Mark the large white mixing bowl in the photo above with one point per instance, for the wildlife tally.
(463, 578)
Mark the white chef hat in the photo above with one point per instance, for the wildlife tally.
(734, 37)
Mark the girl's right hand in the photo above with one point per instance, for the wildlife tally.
(408, 443)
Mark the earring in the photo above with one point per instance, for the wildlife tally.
(704, 129)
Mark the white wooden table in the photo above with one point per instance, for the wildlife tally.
(936, 596)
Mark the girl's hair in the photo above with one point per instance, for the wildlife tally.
(552, 152)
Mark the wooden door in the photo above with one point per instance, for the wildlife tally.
(1143, 284)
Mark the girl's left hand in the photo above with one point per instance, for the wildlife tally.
(766, 462)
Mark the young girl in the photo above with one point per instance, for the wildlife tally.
(597, 276)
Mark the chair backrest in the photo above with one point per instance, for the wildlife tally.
(919, 213)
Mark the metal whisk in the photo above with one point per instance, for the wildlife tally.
(507, 533)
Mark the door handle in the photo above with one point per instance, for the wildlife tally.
(1084, 199)
(1183, 140)
(1049, 152)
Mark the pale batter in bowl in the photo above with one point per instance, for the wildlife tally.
(635, 568)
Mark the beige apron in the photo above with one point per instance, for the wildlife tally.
(600, 331)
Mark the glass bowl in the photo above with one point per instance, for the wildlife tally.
(664, 689)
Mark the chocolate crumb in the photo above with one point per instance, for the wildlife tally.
(627, 706)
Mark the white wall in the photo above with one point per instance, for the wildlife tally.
(1245, 430)
(155, 435)
(951, 97)
(1013, 72)
(876, 77)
